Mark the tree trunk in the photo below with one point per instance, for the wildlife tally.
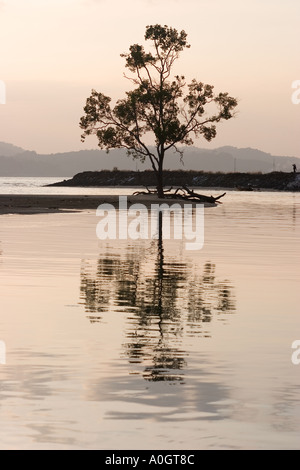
(160, 178)
(160, 186)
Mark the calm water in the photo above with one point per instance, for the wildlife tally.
(33, 185)
(144, 345)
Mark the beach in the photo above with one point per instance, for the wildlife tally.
(37, 203)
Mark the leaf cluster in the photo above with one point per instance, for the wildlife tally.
(172, 111)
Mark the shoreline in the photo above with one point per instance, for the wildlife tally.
(275, 180)
(36, 204)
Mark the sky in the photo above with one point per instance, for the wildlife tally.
(53, 52)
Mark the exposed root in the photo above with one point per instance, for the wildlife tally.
(150, 191)
(183, 193)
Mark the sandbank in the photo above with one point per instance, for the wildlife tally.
(32, 204)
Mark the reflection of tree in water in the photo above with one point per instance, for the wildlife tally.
(164, 299)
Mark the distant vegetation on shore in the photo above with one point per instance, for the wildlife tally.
(243, 181)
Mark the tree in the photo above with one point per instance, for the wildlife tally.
(168, 109)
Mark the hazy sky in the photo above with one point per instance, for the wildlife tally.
(53, 52)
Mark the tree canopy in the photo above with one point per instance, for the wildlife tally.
(165, 107)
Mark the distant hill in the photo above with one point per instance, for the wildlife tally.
(8, 150)
(15, 161)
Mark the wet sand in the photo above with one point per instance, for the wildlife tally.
(31, 204)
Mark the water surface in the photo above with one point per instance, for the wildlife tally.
(144, 345)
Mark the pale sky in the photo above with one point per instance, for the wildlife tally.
(53, 52)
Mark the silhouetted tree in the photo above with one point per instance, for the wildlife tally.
(169, 109)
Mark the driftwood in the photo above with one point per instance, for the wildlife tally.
(184, 193)
(151, 191)
(191, 195)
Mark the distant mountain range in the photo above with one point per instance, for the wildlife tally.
(15, 161)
